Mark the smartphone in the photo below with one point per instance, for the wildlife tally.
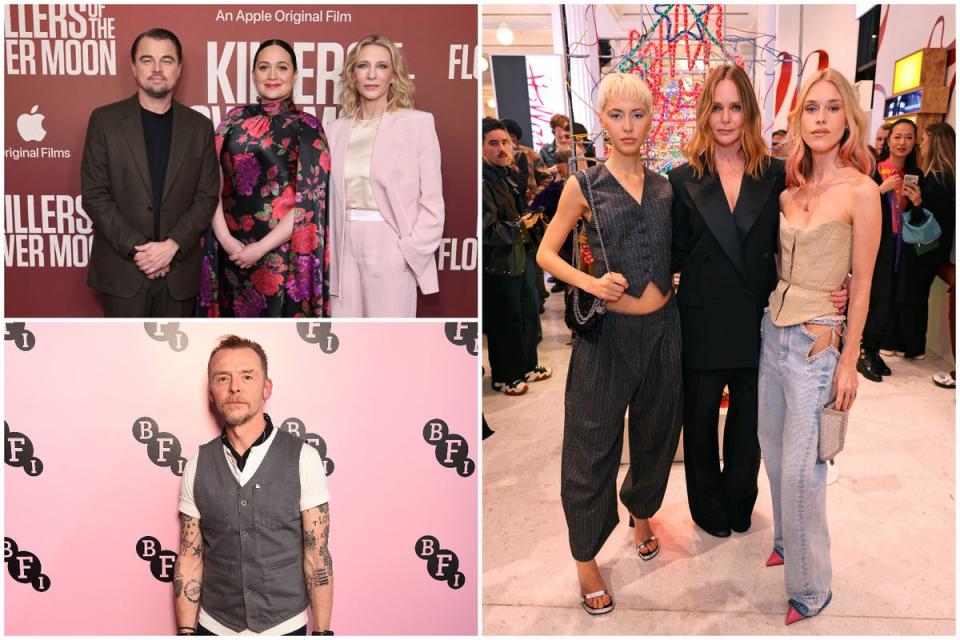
(910, 179)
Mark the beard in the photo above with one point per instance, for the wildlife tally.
(156, 93)
(237, 419)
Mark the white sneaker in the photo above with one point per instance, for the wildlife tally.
(944, 380)
(539, 372)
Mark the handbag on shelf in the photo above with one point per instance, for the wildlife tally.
(833, 432)
(925, 236)
(584, 311)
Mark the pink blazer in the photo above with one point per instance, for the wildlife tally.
(406, 182)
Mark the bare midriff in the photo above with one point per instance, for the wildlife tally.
(649, 301)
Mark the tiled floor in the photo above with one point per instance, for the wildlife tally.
(891, 514)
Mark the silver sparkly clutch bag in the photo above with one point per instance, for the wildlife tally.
(833, 431)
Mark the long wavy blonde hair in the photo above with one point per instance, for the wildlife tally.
(400, 93)
(941, 142)
(853, 145)
(701, 147)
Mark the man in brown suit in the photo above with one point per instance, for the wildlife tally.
(150, 182)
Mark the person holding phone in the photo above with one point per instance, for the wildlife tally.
(930, 191)
(883, 328)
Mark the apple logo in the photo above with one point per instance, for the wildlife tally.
(30, 126)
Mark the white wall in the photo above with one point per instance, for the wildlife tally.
(803, 29)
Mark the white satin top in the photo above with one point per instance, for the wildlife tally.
(356, 166)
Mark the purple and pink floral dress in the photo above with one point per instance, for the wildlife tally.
(275, 162)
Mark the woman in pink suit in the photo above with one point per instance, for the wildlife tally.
(386, 204)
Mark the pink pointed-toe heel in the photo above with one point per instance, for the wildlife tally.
(775, 560)
(794, 616)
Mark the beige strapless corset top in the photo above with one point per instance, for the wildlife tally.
(813, 263)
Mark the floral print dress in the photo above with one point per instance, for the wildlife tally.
(275, 162)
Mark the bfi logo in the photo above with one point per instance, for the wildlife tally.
(296, 427)
(463, 334)
(24, 567)
(168, 332)
(18, 334)
(442, 564)
(320, 334)
(18, 452)
(161, 562)
(163, 448)
(450, 449)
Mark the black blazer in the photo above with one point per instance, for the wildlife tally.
(118, 196)
(726, 262)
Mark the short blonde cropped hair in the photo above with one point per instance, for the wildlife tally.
(624, 85)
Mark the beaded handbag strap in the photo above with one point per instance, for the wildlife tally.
(595, 218)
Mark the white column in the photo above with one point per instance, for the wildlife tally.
(584, 63)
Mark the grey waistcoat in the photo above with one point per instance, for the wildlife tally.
(253, 559)
(637, 238)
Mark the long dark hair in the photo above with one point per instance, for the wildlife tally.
(911, 164)
(275, 42)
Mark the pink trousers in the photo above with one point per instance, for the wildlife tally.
(375, 281)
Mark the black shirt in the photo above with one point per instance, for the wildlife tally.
(157, 132)
(242, 459)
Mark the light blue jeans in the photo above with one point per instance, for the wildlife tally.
(793, 387)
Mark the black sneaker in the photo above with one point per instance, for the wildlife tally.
(515, 388)
(538, 373)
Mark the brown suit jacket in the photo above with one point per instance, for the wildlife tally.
(118, 196)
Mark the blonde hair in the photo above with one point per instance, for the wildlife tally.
(623, 85)
(941, 142)
(400, 93)
(853, 145)
(701, 147)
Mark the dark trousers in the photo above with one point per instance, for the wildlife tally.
(634, 364)
(878, 318)
(510, 320)
(153, 300)
(720, 498)
(906, 329)
(203, 631)
(948, 273)
(536, 293)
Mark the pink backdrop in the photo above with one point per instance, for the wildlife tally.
(78, 391)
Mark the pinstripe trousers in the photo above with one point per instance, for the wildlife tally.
(635, 363)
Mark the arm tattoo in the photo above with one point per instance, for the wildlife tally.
(315, 538)
(177, 588)
(310, 540)
(192, 591)
(190, 538)
(320, 577)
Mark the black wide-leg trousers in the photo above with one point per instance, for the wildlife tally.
(720, 498)
(511, 322)
(635, 364)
